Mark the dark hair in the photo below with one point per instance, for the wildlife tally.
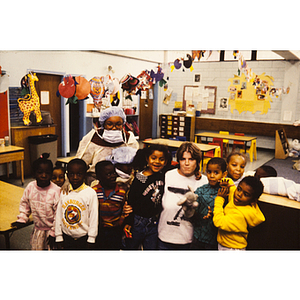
(191, 148)
(77, 161)
(100, 165)
(43, 159)
(140, 159)
(236, 153)
(255, 184)
(269, 170)
(218, 161)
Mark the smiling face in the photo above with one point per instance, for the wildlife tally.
(236, 167)
(243, 195)
(214, 174)
(156, 161)
(187, 165)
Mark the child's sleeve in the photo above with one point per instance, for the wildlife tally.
(56, 200)
(58, 221)
(281, 186)
(24, 208)
(93, 218)
(232, 222)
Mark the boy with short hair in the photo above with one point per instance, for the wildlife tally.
(240, 213)
(76, 224)
(112, 206)
(205, 233)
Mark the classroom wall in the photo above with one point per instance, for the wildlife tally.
(285, 74)
(85, 63)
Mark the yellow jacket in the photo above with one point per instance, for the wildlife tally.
(233, 221)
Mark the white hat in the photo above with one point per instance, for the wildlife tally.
(122, 155)
(112, 111)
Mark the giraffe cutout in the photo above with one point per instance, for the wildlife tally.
(31, 102)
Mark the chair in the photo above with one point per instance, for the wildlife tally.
(220, 142)
(208, 155)
(225, 143)
(252, 150)
(238, 143)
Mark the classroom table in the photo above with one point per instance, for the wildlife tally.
(281, 229)
(176, 144)
(207, 135)
(12, 153)
(65, 160)
(10, 196)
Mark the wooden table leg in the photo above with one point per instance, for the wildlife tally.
(22, 172)
(7, 170)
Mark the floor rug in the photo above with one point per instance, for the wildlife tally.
(284, 168)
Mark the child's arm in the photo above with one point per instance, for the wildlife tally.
(58, 221)
(24, 209)
(93, 218)
(232, 222)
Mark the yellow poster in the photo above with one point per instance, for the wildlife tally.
(251, 96)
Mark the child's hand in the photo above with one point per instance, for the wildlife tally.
(18, 224)
(223, 192)
(127, 209)
(209, 214)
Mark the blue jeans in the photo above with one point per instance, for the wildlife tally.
(144, 232)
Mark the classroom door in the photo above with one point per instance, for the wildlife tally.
(146, 116)
(49, 82)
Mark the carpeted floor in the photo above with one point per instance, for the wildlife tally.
(284, 168)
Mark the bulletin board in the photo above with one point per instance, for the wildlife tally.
(203, 98)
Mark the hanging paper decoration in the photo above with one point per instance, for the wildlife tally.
(83, 88)
(67, 87)
(235, 53)
(145, 81)
(97, 91)
(31, 102)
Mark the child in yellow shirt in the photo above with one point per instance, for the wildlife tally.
(240, 213)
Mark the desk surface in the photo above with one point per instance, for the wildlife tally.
(65, 160)
(7, 149)
(176, 144)
(10, 196)
(279, 200)
(226, 136)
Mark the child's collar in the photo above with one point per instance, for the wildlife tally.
(82, 187)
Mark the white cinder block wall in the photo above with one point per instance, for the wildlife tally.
(217, 74)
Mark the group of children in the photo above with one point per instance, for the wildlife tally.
(121, 209)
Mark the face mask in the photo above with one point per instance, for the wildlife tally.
(122, 174)
(113, 136)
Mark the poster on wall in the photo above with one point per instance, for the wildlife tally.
(223, 104)
(203, 97)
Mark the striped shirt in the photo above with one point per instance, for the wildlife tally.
(110, 205)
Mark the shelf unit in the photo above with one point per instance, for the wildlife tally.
(173, 125)
(281, 144)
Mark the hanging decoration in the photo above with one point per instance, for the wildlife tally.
(186, 63)
(31, 101)
(74, 88)
(97, 91)
(67, 87)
